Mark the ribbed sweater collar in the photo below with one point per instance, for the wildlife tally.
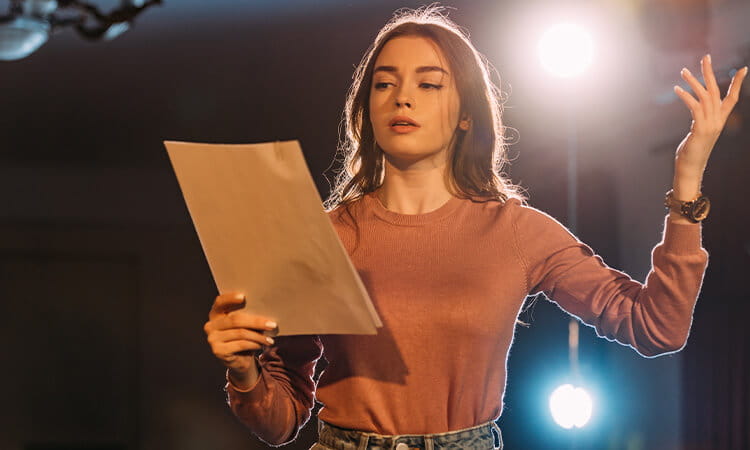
(372, 203)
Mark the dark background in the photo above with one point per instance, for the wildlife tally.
(104, 288)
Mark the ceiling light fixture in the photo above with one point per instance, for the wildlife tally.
(30, 23)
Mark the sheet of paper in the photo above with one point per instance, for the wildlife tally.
(264, 232)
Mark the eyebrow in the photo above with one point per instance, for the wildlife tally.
(420, 69)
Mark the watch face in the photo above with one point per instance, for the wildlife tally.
(700, 209)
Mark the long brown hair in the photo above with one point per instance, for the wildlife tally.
(478, 156)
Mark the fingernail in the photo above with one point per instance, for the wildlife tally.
(270, 340)
(708, 58)
(239, 296)
(271, 324)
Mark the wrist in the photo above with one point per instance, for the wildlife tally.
(694, 209)
(685, 194)
(686, 189)
(679, 218)
(244, 380)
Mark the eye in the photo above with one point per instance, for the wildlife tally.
(381, 85)
(430, 86)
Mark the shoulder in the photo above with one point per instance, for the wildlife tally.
(534, 230)
(345, 214)
(515, 211)
(532, 220)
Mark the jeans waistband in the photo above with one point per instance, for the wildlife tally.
(486, 436)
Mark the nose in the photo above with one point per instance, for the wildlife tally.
(402, 101)
(404, 98)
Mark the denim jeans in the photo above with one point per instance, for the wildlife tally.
(482, 437)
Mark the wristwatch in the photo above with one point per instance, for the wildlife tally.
(695, 210)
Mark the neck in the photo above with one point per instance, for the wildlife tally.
(413, 189)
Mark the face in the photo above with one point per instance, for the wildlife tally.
(414, 103)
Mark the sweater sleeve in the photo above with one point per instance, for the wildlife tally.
(654, 318)
(280, 403)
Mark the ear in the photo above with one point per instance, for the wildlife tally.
(464, 124)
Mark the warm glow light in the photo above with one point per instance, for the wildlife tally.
(570, 406)
(566, 50)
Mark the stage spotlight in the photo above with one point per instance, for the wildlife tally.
(26, 28)
(29, 23)
(566, 50)
(22, 36)
(570, 406)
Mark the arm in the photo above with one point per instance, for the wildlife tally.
(278, 405)
(273, 396)
(654, 318)
(709, 113)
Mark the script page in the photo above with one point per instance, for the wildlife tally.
(264, 233)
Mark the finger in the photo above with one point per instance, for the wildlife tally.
(708, 76)
(238, 334)
(226, 303)
(733, 92)
(689, 101)
(228, 351)
(242, 319)
(695, 85)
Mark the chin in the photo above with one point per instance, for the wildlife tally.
(405, 154)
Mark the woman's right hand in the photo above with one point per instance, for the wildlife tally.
(234, 335)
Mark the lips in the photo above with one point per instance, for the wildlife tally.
(403, 121)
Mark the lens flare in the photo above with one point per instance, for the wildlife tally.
(570, 406)
(566, 50)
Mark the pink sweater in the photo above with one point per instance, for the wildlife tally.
(448, 286)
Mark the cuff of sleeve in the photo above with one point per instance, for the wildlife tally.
(682, 238)
(231, 385)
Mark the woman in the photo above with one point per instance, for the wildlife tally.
(448, 252)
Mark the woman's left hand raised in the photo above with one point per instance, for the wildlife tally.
(709, 114)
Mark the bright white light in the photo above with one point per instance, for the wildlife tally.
(566, 50)
(570, 406)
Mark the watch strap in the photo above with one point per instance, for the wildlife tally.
(695, 210)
